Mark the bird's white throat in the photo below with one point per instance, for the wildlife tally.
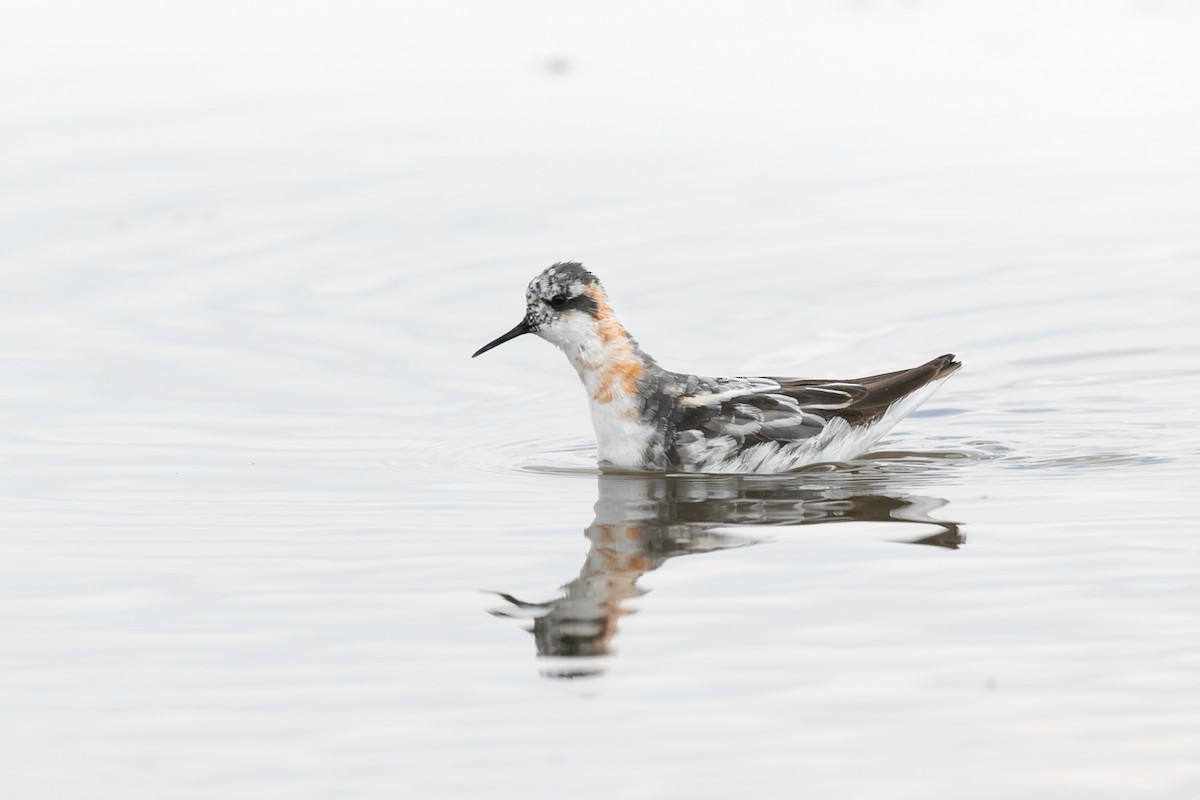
(609, 367)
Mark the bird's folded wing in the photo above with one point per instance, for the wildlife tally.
(758, 410)
(865, 399)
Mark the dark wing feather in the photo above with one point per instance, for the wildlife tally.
(739, 414)
(871, 396)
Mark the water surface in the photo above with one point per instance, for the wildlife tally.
(269, 532)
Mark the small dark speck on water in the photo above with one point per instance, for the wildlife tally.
(557, 65)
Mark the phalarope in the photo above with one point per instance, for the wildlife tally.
(647, 418)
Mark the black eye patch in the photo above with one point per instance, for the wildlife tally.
(581, 302)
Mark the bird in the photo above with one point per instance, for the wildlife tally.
(649, 419)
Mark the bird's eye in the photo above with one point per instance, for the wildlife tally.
(558, 300)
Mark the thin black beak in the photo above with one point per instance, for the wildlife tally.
(522, 327)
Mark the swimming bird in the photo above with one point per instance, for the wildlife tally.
(647, 418)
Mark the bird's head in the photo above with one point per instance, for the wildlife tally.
(563, 305)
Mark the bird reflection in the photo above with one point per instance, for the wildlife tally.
(643, 521)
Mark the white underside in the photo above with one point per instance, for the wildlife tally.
(622, 439)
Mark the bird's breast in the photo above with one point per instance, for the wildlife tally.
(623, 435)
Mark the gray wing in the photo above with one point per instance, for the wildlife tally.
(742, 413)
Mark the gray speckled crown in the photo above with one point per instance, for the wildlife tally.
(564, 277)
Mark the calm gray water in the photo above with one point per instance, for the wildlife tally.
(269, 532)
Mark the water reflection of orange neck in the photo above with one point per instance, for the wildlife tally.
(614, 564)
